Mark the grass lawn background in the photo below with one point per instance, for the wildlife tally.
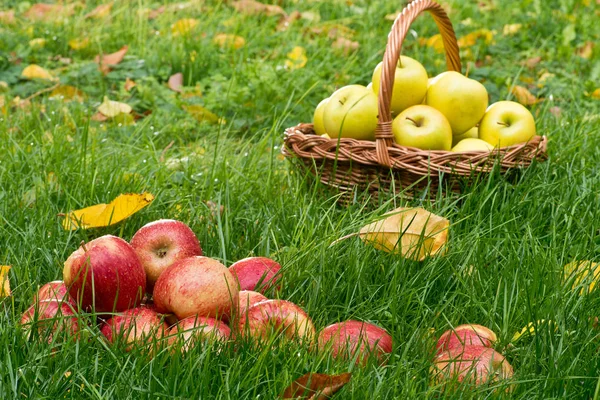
(508, 242)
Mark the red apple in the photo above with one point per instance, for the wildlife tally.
(466, 335)
(196, 286)
(256, 273)
(160, 244)
(247, 299)
(139, 326)
(471, 364)
(105, 274)
(55, 290)
(193, 329)
(276, 316)
(51, 318)
(346, 339)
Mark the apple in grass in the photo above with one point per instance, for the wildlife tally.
(410, 84)
(247, 299)
(462, 100)
(106, 275)
(196, 286)
(161, 243)
(318, 124)
(51, 318)
(191, 330)
(507, 123)
(256, 273)
(422, 127)
(466, 335)
(55, 290)
(139, 326)
(351, 112)
(350, 339)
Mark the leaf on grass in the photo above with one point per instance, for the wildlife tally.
(532, 62)
(201, 114)
(227, 40)
(582, 273)
(286, 21)
(511, 29)
(48, 12)
(67, 93)
(7, 17)
(346, 46)
(5, 288)
(586, 50)
(129, 84)
(176, 82)
(79, 43)
(102, 11)
(524, 96)
(596, 94)
(252, 7)
(296, 58)
(184, 26)
(101, 215)
(472, 38)
(37, 43)
(111, 109)
(34, 71)
(530, 329)
(315, 386)
(413, 233)
(434, 42)
(105, 61)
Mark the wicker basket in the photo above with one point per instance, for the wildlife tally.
(382, 165)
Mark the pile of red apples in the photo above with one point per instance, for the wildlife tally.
(159, 290)
(465, 355)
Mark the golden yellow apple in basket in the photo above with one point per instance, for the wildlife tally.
(507, 123)
(422, 127)
(471, 144)
(318, 125)
(472, 133)
(351, 112)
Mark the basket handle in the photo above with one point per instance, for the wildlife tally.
(383, 132)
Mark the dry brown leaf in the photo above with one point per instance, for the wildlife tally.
(176, 82)
(67, 93)
(201, 114)
(4, 282)
(153, 14)
(252, 7)
(129, 84)
(48, 12)
(102, 11)
(532, 62)
(227, 40)
(34, 71)
(413, 233)
(102, 215)
(99, 117)
(105, 61)
(346, 46)
(313, 386)
(524, 96)
(586, 50)
(286, 21)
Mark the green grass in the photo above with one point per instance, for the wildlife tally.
(508, 240)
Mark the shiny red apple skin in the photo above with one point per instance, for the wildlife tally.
(256, 273)
(344, 339)
(51, 317)
(106, 274)
(194, 329)
(196, 286)
(280, 315)
(55, 290)
(247, 299)
(466, 335)
(140, 326)
(160, 244)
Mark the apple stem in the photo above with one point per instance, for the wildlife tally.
(503, 123)
(413, 121)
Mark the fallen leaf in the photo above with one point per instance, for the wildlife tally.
(129, 84)
(101, 215)
(530, 329)
(333, 30)
(99, 117)
(5, 288)
(544, 77)
(188, 93)
(67, 93)
(252, 7)
(346, 46)
(311, 16)
(314, 386)
(582, 273)
(596, 94)
(34, 71)
(7, 17)
(436, 42)
(532, 62)
(102, 11)
(176, 82)
(524, 96)
(111, 109)
(48, 12)
(105, 61)
(413, 233)
(152, 14)
(227, 40)
(37, 43)
(184, 26)
(201, 114)
(586, 50)
(472, 38)
(286, 21)
(79, 43)
(296, 58)
(511, 29)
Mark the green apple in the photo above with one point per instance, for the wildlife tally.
(423, 127)
(318, 118)
(506, 123)
(472, 133)
(470, 144)
(462, 100)
(410, 84)
(351, 112)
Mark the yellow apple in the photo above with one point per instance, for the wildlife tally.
(351, 112)
(370, 86)
(471, 144)
(506, 123)
(472, 133)
(423, 127)
(462, 100)
(318, 118)
(410, 84)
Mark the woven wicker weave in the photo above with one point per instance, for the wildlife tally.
(349, 164)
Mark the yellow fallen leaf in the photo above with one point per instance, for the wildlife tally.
(34, 71)
(184, 26)
(67, 93)
(5, 288)
(37, 43)
(129, 84)
(296, 58)
(586, 50)
(434, 42)
(530, 329)
(596, 94)
(544, 77)
(102, 215)
(413, 233)
(524, 96)
(201, 114)
(227, 40)
(79, 43)
(582, 273)
(511, 29)
(472, 38)
(102, 11)
(111, 108)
